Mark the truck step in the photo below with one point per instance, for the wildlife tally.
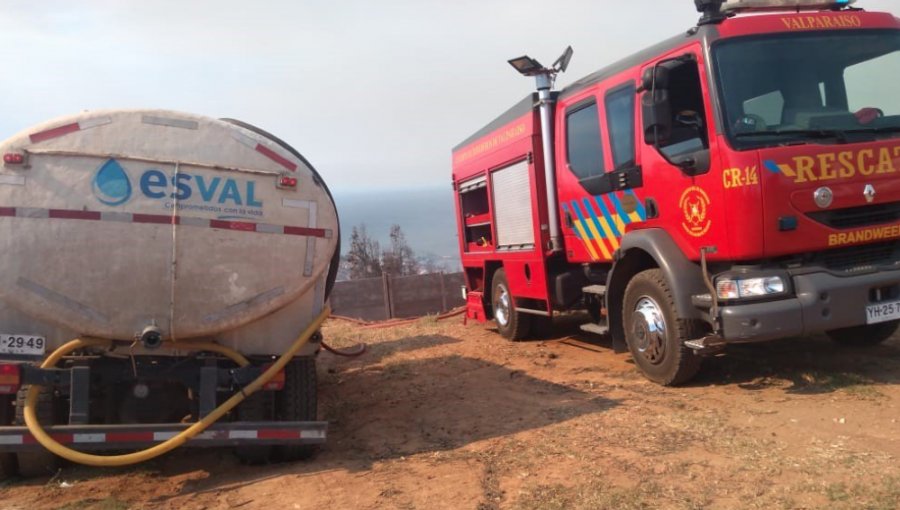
(710, 344)
(599, 290)
(596, 329)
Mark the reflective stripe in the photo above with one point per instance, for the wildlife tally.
(607, 228)
(297, 204)
(169, 122)
(618, 228)
(92, 123)
(12, 439)
(313, 434)
(29, 212)
(595, 235)
(12, 180)
(54, 133)
(63, 130)
(243, 434)
(89, 438)
(279, 434)
(129, 437)
(161, 219)
(278, 158)
(626, 219)
(640, 210)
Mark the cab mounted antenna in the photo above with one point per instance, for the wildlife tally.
(545, 78)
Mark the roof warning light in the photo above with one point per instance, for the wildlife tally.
(715, 11)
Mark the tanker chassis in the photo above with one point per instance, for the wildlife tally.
(736, 183)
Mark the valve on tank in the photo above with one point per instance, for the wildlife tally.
(151, 337)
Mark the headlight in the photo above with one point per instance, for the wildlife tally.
(737, 288)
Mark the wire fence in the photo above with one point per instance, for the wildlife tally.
(390, 297)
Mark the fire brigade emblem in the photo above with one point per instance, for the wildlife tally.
(694, 204)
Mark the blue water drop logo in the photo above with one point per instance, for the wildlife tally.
(111, 184)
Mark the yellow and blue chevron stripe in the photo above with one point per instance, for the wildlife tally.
(601, 221)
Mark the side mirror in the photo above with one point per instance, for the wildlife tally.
(656, 106)
(661, 79)
(657, 115)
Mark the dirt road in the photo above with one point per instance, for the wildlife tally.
(441, 415)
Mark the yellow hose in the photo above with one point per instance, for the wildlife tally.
(133, 458)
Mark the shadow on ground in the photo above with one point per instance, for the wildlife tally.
(811, 365)
(418, 406)
(375, 353)
(381, 410)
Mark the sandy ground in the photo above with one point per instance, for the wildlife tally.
(442, 415)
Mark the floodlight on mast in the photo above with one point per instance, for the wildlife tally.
(545, 78)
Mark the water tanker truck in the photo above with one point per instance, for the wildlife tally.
(162, 281)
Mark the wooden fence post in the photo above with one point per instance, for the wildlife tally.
(390, 280)
(443, 294)
(388, 305)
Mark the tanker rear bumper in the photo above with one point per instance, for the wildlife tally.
(822, 302)
(127, 437)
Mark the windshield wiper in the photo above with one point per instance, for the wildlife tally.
(875, 130)
(839, 134)
(811, 133)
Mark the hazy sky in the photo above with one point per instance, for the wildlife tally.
(374, 93)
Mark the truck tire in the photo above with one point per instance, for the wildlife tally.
(864, 336)
(8, 467)
(297, 402)
(511, 323)
(257, 408)
(37, 463)
(654, 334)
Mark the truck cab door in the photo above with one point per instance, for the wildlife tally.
(683, 186)
(599, 175)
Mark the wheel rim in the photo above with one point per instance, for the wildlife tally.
(502, 307)
(649, 330)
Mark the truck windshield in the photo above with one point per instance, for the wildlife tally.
(821, 87)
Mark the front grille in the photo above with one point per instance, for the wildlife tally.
(863, 216)
(861, 258)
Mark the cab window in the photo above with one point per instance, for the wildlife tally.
(620, 124)
(688, 112)
(865, 86)
(584, 150)
(800, 88)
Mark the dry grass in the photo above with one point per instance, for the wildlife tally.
(851, 384)
(560, 424)
(110, 503)
(659, 448)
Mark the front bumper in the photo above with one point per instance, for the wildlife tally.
(822, 302)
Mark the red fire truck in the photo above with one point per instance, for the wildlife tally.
(736, 183)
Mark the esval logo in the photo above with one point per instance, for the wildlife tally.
(184, 186)
(111, 184)
(112, 187)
